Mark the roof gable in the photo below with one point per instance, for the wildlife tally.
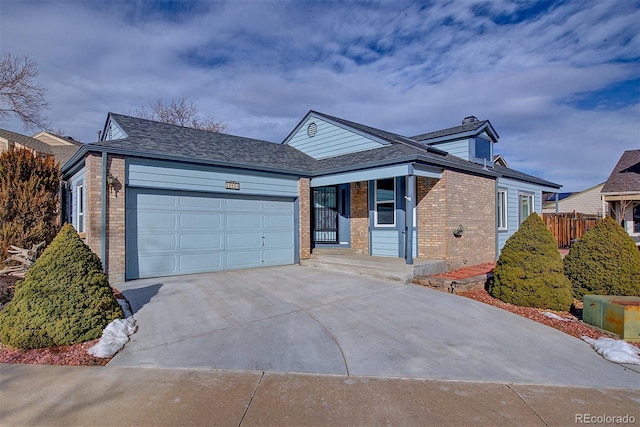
(625, 177)
(321, 136)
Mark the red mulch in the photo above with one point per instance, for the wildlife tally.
(575, 328)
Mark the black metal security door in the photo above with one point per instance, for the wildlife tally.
(325, 214)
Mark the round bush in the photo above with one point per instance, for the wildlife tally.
(605, 261)
(64, 299)
(529, 271)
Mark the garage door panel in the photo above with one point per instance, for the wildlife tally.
(174, 232)
(243, 259)
(278, 256)
(201, 221)
(275, 239)
(278, 221)
(156, 221)
(201, 241)
(145, 199)
(242, 221)
(157, 242)
(149, 265)
(201, 262)
(242, 205)
(239, 240)
(206, 203)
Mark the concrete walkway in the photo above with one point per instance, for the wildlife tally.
(33, 395)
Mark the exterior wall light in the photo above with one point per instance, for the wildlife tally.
(458, 231)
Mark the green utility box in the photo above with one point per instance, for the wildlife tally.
(620, 315)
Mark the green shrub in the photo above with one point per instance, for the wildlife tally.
(605, 261)
(529, 270)
(65, 298)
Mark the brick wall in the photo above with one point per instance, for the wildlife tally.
(115, 262)
(305, 217)
(360, 216)
(444, 204)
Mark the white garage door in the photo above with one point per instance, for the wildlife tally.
(172, 232)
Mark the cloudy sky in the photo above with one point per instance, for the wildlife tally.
(559, 81)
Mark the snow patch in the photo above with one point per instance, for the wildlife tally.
(115, 335)
(617, 351)
(556, 317)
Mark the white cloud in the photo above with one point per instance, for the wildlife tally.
(400, 66)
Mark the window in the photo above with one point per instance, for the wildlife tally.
(526, 206)
(385, 202)
(502, 209)
(79, 223)
(636, 218)
(482, 150)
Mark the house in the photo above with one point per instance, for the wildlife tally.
(43, 143)
(588, 202)
(621, 193)
(174, 200)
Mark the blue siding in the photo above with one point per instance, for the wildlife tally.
(330, 140)
(384, 242)
(458, 148)
(174, 176)
(76, 181)
(514, 188)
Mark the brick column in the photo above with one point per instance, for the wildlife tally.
(360, 216)
(304, 202)
(116, 220)
(115, 244)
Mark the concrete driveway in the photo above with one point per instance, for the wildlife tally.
(302, 320)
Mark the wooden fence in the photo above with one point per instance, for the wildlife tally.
(568, 227)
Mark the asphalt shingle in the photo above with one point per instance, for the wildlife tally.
(625, 176)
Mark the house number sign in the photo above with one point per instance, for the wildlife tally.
(232, 185)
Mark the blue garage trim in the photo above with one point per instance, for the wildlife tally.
(145, 173)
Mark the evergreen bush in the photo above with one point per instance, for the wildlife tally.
(529, 271)
(29, 209)
(605, 261)
(64, 299)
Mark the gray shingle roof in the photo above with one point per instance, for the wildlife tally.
(150, 138)
(147, 138)
(62, 153)
(625, 176)
(26, 141)
(467, 127)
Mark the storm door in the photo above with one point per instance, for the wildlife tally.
(325, 214)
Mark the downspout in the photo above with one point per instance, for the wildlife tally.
(103, 214)
(498, 231)
(410, 203)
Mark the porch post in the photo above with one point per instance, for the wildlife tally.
(557, 204)
(411, 202)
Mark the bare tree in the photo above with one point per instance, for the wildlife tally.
(20, 94)
(180, 112)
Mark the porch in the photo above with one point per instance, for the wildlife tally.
(355, 262)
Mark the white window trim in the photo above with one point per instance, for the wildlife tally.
(505, 204)
(375, 205)
(532, 207)
(80, 209)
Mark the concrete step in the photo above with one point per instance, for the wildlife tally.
(394, 269)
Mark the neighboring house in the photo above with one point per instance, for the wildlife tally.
(588, 202)
(175, 200)
(621, 193)
(43, 143)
